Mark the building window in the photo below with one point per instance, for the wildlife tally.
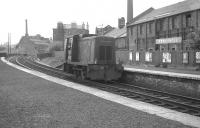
(157, 47)
(141, 29)
(173, 22)
(187, 47)
(162, 49)
(131, 31)
(143, 44)
(173, 49)
(150, 49)
(150, 27)
(160, 25)
(138, 44)
(188, 20)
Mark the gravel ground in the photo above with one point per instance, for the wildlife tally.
(27, 101)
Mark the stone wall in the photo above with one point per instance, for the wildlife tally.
(173, 85)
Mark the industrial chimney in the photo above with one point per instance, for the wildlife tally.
(26, 28)
(129, 10)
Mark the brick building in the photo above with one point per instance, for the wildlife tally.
(64, 30)
(121, 44)
(166, 35)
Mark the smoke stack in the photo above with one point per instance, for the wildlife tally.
(26, 28)
(129, 10)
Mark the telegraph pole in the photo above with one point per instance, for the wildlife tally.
(8, 44)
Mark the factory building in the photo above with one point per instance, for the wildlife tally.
(65, 30)
(32, 45)
(168, 35)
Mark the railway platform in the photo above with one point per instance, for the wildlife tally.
(177, 81)
(33, 99)
(172, 72)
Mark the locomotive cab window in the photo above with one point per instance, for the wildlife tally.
(105, 52)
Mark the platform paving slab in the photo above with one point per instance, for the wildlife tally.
(29, 101)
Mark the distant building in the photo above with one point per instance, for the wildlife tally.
(58, 33)
(74, 29)
(33, 45)
(121, 43)
(64, 30)
(103, 31)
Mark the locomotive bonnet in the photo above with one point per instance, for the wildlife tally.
(91, 57)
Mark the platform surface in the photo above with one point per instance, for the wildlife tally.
(33, 99)
(172, 72)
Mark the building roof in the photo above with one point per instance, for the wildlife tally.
(116, 32)
(123, 35)
(180, 7)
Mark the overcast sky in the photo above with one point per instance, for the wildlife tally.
(43, 15)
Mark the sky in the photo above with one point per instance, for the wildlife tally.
(43, 15)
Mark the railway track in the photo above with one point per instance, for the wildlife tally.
(171, 101)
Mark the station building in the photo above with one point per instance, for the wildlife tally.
(168, 35)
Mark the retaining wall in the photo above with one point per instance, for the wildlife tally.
(175, 85)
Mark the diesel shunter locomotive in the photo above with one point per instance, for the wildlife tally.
(91, 57)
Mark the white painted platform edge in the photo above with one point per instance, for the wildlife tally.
(171, 74)
(183, 118)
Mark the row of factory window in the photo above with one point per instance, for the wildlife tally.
(166, 57)
(168, 23)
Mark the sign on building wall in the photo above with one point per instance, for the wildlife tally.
(148, 56)
(130, 56)
(185, 57)
(167, 57)
(197, 57)
(137, 56)
(169, 40)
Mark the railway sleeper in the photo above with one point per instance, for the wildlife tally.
(134, 96)
(156, 103)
